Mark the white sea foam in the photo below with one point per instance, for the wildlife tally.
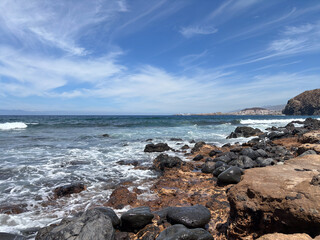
(269, 121)
(12, 125)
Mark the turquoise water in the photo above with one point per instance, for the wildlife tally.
(39, 153)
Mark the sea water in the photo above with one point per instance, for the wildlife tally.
(40, 153)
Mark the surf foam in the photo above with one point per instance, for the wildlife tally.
(12, 125)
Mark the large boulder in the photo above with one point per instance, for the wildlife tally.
(92, 224)
(159, 147)
(136, 218)
(245, 132)
(180, 232)
(192, 217)
(230, 176)
(306, 103)
(164, 161)
(277, 198)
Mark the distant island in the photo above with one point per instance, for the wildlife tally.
(246, 111)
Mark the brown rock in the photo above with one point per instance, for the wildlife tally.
(311, 137)
(280, 236)
(66, 190)
(121, 197)
(276, 199)
(309, 146)
(13, 209)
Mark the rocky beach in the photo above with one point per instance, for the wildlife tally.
(265, 188)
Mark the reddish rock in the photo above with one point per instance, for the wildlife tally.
(276, 199)
(121, 197)
(311, 137)
(280, 236)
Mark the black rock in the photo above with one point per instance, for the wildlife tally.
(165, 161)
(92, 224)
(69, 189)
(185, 147)
(214, 152)
(197, 147)
(248, 162)
(176, 139)
(198, 157)
(10, 236)
(315, 180)
(219, 164)
(265, 162)
(136, 218)
(180, 232)
(191, 217)
(245, 132)
(230, 176)
(220, 170)
(208, 167)
(250, 153)
(159, 147)
(262, 153)
(111, 214)
(105, 135)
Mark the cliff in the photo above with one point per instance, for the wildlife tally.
(306, 103)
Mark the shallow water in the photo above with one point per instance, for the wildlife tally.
(39, 153)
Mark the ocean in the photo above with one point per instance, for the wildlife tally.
(40, 153)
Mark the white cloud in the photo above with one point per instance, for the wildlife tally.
(197, 30)
(294, 30)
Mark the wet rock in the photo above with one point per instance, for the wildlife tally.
(121, 197)
(191, 217)
(111, 214)
(198, 157)
(208, 167)
(197, 147)
(180, 232)
(66, 190)
(149, 140)
(92, 224)
(307, 153)
(245, 132)
(176, 139)
(136, 218)
(250, 153)
(220, 170)
(230, 176)
(129, 162)
(184, 147)
(279, 198)
(10, 236)
(105, 135)
(159, 147)
(164, 161)
(13, 209)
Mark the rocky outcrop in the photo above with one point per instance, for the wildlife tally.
(245, 132)
(164, 161)
(276, 199)
(306, 103)
(92, 224)
(159, 147)
(66, 190)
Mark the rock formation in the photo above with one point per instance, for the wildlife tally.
(306, 103)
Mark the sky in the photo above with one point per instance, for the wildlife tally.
(156, 56)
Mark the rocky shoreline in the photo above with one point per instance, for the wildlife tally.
(256, 190)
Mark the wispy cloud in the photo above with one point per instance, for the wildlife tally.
(197, 30)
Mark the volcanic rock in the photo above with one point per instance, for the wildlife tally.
(180, 232)
(192, 217)
(111, 214)
(136, 218)
(306, 103)
(164, 161)
(121, 197)
(208, 167)
(92, 224)
(66, 190)
(230, 176)
(159, 147)
(197, 147)
(198, 157)
(277, 198)
(245, 132)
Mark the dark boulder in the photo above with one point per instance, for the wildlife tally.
(249, 152)
(265, 162)
(10, 236)
(180, 232)
(220, 170)
(208, 167)
(111, 214)
(197, 147)
(248, 162)
(159, 147)
(92, 224)
(306, 103)
(198, 157)
(136, 218)
(191, 217)
(245, 132)
(184, 147)
(307, 153)
(105, 135)
(164, 161)
(214, 152)
(230, 176)
(66, 190)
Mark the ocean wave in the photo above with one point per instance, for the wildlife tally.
(269, 121)
(12, 125)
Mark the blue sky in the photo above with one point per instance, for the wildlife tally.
(156, 56)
